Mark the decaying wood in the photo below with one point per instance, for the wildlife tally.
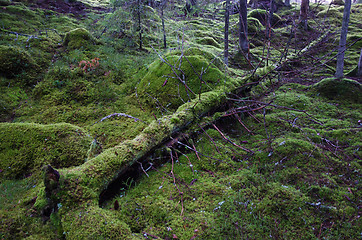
(81, 186)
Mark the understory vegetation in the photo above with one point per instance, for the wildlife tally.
(106, 134)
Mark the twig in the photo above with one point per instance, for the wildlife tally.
(278, 106)
(239, 120)
(119, 115)
(266, 130)
(173, 70)
(245, 149)
(145, 171)
(147, 234)
(174, 182)
(212, 140)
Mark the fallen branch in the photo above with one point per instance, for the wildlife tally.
(118, 115)
(228, 140)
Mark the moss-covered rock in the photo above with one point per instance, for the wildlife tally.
(343, 89)
(338, 2)
(168, 84)
(254, 24)
(26, 147)
(208, 41)
(262, 16)
(335, 14)
(4, 2)
(78, 38)
(14, 60)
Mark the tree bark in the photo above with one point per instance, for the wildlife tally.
(226, 33)
(359, 68)
(189, 5)
(287, 3)
(303, 17)
(139, 24)
(243, 26)
(343, 39)
(268, 28)
(163, 24)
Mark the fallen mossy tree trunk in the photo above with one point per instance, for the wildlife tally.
(77, 191)
(74, 196)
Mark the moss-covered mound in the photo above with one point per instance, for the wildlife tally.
(26, 147)
(14, 60)
(334, 14)
(208, 41)
(344, 89)
(178, 78)
(94, 223)
(262, 16)
(78, 38)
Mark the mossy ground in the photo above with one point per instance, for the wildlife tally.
(291, 171)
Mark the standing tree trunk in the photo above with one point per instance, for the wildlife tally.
(343, 39)
(268, 29)
(189, 6)
(303, 17)
(243, 26)
(163, 23)
(226, 33)
(359, 68)
(287, 3)
(139, 23)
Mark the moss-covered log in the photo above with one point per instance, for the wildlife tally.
(79, 188)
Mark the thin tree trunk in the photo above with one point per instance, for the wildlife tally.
(226, 33)
(243, 26)
(139, 24)
(189, 5)
(163, 24)
(287, 3)
(303, 17)
(343, 39)
(359, 72)
(268, 29)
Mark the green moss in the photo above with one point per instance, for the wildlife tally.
(338, 2)
(254, 25)
(78, 38)
(335, 14)
(25, 148)
(10, 98)
(14, 61)
(93, 223)
(161, 88)
(5, 2)
(208, 41)
(254, 209)
(41, 200)
(344, 89)
(19, 218)
(300, 183)
(114, 131)
(262, 16)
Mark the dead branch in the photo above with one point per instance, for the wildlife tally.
(119, 115)
(228, 140)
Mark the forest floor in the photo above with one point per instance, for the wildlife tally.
(276, 156)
